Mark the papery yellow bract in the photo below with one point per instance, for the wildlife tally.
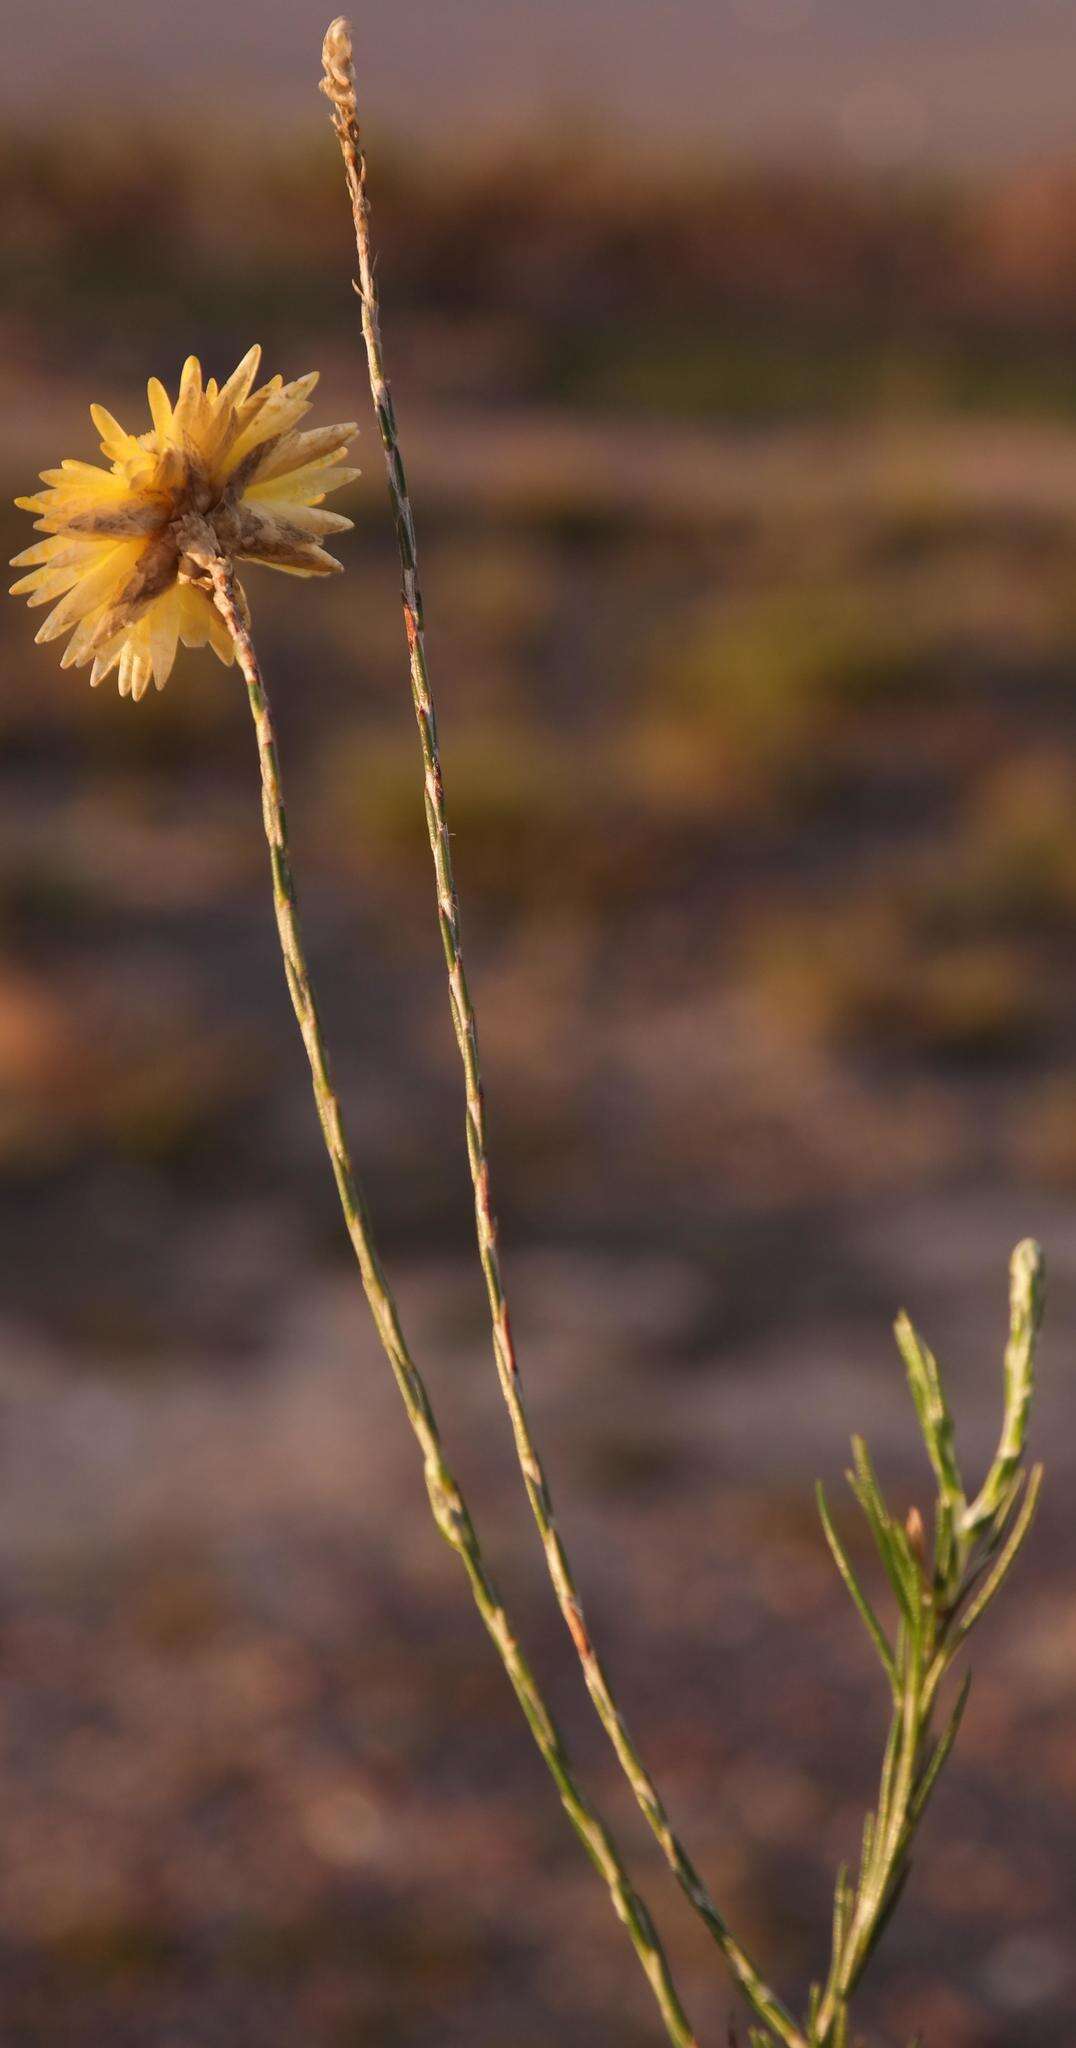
(228, 459)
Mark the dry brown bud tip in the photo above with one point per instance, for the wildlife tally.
(338, 83)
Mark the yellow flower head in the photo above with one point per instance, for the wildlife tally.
(223, 470)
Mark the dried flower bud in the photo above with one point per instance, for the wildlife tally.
(338, 83)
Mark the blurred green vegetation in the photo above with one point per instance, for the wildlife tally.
(739, 293)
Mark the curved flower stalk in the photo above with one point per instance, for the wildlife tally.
(221, 475)
(227, 458)
(338, 85)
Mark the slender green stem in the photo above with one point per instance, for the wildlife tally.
(339, 87)
(939, 1601)
(449, 1508)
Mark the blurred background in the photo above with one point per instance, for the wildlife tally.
(733, 351)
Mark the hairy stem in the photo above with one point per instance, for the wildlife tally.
(447, 1503)
(339, 87)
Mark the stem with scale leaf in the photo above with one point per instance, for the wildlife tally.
(338, 85)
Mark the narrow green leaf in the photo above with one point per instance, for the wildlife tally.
(889, 1765)
(1007, 1503)
(885, 1915)
(944, 1547)
(939, 1756)
(867, 1843)
(1026, 1297)
(996, 1578)
(868, 1493)
(935, 1420)
(866, 1612)
(842, 1907)
(918, 1608)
